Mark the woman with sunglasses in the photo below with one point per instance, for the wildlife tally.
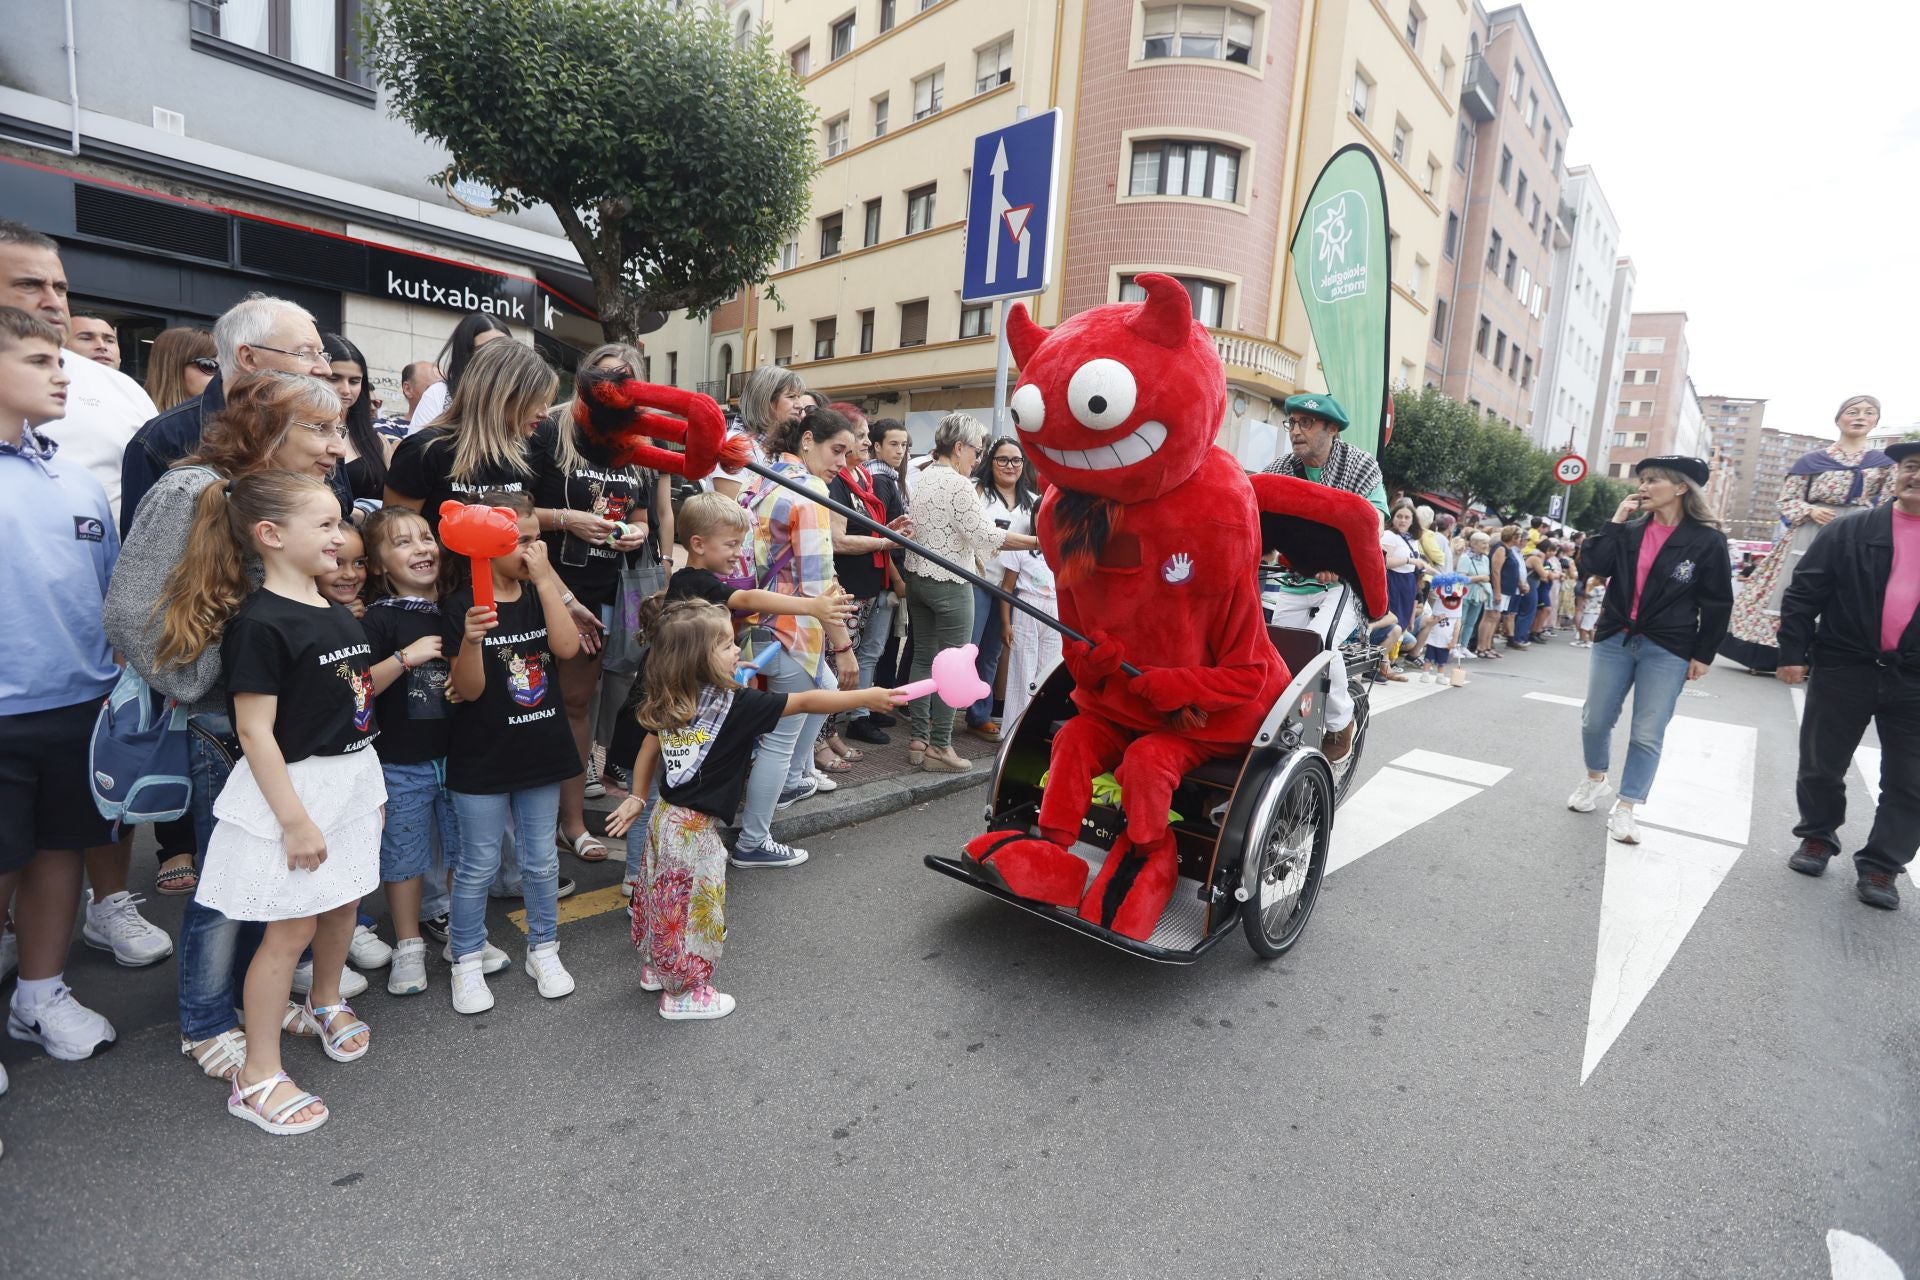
(180, 366)
(1010, 499)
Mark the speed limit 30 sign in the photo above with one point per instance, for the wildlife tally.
(1571, 469)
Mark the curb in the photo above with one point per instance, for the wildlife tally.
(848, 805)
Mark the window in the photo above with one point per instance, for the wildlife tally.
(976, 322)
(1639, 440)
(1533, 110)
(1416, 23)
(1439, 319)
(1198, 31)
(1362, 94)
(830, 235)
(1402, 136)
(929, 93)
(866, 332)
(315, 34)
(1546, 141)
(673, 368)
(1462, 145)
(927, 4)
(1209, 297)
(1546, 231)
(993, 66)
(872, 236)
(1417, 285)
(1558, 150)
(743, 29)
(1432, 184)
(1534, 217)
(1646, 346)
(1520, 194)
(789, 255)
(1513, 360)
(1500, 349)
(1525, 286)
(1649, 376)
(886, 15)
(1393, 253)
(913, 323)
(1506, 167)
(646, 368)
(1516, 82)
(842, 39)
(783, 346)
(1451, 243)
(836, 136)
(1526, 373)
(880, 116)
(1406, 373)
(1493, 252)
(823, 335)
(800, 60)
(1446, 73)
(920, 209)
(1480, 335)
(1205, 169)
(1512, 271)
(1619, 440)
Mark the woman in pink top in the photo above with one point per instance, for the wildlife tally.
(1669, 595)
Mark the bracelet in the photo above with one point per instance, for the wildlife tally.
(567, 598)
(400, 656)
(834, 653)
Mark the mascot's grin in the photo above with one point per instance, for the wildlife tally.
(1137, 446)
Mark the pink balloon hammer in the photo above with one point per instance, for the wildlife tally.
(954, 679)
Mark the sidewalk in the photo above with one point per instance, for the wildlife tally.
(881, 784)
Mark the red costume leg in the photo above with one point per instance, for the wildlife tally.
(1134, 885)
(1042, 867)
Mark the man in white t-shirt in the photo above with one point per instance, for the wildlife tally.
(104, 407)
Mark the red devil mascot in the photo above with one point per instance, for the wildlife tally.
(1154, 534)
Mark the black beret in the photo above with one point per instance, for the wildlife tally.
(1694, 469)
(1902, 451)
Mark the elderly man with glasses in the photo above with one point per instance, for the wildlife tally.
(256, 334)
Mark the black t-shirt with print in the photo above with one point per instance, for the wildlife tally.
(415, 716)
(715, 789)
(422, 468)
(515, 735)
(685, 584)
(596, 485)
(313, 658)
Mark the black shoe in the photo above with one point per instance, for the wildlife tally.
(1876, 889)
(437, 929)
(864, 730)
(566, 888)
(880, 719)
(1810, 859)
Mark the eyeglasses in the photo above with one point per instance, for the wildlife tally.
(1008, 462)
(323, 429)
(1299, 422)
(205, 364)
(305, 355)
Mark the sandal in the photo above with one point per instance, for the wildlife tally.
(177, 880)
(916, 751)
(585, 846)
(220, 1057)
(832, 764)
(242, 1102)
(294, 1021)
(838, 745)
(320, 1021)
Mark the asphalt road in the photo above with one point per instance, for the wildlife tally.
(921, 1081)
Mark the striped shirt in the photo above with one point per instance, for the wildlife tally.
(783, 520)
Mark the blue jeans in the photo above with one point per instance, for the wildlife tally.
(535, 815)
(1523, 609)
(873, 642)
(785, 753)
(986, 634)
(214, 951)
(1617, 664)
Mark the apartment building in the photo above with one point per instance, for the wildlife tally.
(1503, 221)
(1736, 424)
(199, 152)
(1613, 359)
(1575, 374)
(1657, 411)
(1386, 73)
(1777, 450)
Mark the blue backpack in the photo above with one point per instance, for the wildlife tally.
(138, 758)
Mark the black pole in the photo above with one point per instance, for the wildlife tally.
(893, 535)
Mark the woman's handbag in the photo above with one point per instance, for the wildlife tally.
(642, 577)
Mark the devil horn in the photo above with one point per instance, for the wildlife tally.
(1023, 335)
(1166, 317)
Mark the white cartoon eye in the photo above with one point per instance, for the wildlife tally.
(1101, 394)
(1029, 408)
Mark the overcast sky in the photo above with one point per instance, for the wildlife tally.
(1764, 163)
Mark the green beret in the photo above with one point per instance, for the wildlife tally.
(1320, 405)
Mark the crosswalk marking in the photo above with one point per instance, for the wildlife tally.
(1460, 770)
(1388, 695)
(1397, 799)
(1558, 699)
(1853, 1257)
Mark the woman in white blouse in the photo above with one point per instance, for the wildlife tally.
(948, 519)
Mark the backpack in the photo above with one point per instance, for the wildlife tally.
(137, 760)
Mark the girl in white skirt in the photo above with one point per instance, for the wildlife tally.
(297, 842)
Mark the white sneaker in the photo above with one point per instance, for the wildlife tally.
(1587, 794)
(352, 981)
(3, 1079)
(544, 967)
(366, 949)
(9, 954)
(698, 1002)
(470, 994)
(821, 782)
(627, 887)
(1621, 826)
(494, 958)
(64, 1027)
(408, 976)
(649, 980)
(115, 924)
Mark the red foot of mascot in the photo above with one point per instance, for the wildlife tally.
(1133, 887)
(1030, 866)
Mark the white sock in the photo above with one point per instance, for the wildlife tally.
(30, 993)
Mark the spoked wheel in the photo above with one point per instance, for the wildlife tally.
(1345, 770)
(1287, 853)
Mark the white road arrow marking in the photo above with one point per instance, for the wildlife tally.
(1402, 796)
(999, 209)
(1854, 1257)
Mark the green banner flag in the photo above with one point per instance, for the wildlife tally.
(1340, 264)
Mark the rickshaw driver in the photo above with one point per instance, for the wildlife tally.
(1314, 422)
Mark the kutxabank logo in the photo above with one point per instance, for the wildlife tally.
(1341, 247)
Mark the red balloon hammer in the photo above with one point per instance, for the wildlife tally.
(482, 534)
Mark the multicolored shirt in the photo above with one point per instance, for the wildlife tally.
(793, 555)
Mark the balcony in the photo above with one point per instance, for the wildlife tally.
(1479, 89)
(1258, 356)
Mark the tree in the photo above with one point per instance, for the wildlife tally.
(1432, 434)
(676, 160)
(1594, 501)
(1498, 467)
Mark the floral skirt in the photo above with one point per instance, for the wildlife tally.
(680, 905)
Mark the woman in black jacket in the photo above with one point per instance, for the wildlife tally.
(1669, 596)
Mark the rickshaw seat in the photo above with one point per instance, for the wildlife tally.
(1297, 645)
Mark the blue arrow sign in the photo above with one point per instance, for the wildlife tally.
(1011, 210)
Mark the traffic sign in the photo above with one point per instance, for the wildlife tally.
(1571, 469)
(1553, 506)
(1010, 210)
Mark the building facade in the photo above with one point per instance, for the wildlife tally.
(1736, 424)
(1503, 222)
(1656, 411)
(1575, 374)
(1613, 358)
(1777, 450)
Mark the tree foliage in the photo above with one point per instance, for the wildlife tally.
(677, 161)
